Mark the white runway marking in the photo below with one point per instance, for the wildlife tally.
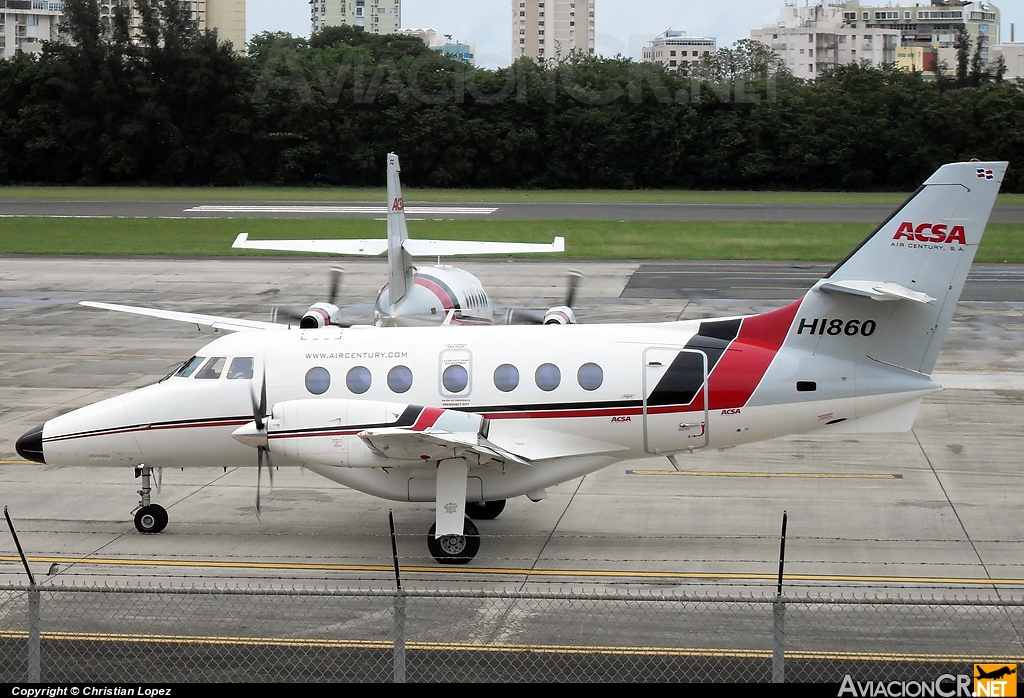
(980, 380)
(372, 210)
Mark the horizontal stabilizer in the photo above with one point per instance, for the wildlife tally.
(415, 248)
(216, 322)
(876, 291)
(451, 248)
(366, 248)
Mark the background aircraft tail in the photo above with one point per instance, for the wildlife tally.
(400, 268)
(891, 300)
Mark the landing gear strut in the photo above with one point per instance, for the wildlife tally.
(485, 511)
(149, 517)
(452, 549)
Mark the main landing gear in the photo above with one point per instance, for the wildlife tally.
(485, 511)
(455, 549)
(149, 517)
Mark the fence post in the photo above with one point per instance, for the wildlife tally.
(33, 634)
(778, 641)
(400, 637)
(779, 616)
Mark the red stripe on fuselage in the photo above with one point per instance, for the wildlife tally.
(447, 302)
(744, 363)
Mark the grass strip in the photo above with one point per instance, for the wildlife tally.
(584, 239)
(414, 196)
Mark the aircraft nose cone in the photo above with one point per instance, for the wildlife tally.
(30, 445)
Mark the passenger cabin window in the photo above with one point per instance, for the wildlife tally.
(190, 366)
(548, 377)
(358, 379)
(318, 380)
(212, 369)
(455, 378)
(241, 368)
(506, 378)
(400, 379)
(590, 376)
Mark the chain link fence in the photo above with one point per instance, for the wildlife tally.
(181, 634)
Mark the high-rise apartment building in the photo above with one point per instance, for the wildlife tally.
(812, 38)
(552, 29)
(26, 24)
(375, 16)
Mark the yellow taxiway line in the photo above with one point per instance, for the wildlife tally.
(480, 571)
(513, 648)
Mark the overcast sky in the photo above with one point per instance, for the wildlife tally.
(623, 26)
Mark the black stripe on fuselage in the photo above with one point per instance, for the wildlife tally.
(182, 423)
(685, 377)
(452, 296)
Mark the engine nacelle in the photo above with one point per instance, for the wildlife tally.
(319, 315)
(338, 432)
(561, 315)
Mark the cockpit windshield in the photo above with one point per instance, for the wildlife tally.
(189, 367)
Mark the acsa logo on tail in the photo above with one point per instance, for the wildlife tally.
(939, 233)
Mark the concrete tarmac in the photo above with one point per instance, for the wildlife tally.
(490, 211)
(936, 510)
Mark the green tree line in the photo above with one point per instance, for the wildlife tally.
(175, 106)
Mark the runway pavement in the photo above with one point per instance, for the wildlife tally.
(490, 211)
(936, 509)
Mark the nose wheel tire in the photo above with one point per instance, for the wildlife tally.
(151, 519)
(485, 511)
(455, 550)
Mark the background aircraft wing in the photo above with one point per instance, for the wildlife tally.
(451, 248)
(369, 248)
(220, 323)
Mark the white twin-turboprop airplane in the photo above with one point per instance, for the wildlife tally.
(468, 417)
(413, 296)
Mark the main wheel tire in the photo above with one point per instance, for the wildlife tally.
(485, 511)
(151, 519)
(455, 550)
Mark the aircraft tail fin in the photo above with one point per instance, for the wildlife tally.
(892, 298)
(400, 268)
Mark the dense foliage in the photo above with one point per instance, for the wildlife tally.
(180, 108)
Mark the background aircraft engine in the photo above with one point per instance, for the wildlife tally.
(561, 315)
(364, 433)
(319, 315)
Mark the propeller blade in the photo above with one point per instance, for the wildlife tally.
(336, 275)
(574, 283)
(522, 316)
(289, 314)
(259, 477)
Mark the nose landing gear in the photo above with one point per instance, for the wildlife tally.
(149, 517)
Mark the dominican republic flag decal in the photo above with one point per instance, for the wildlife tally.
(985, 174)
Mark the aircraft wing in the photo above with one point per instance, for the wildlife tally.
(516, 446)
(405, 444)
(416, 248)
(368, 248)
(214, 321)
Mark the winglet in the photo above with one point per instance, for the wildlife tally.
(240, 240)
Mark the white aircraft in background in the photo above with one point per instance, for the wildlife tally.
(413, 296)
(470, 416)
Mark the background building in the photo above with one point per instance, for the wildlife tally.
(1013, 54)
(447, 46)
(552, 29)
(26, 24)
(675, 50)
(812, 38)
(375, 16)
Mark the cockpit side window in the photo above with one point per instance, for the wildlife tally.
(241, 368)
(189, 367)
(212, 369)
